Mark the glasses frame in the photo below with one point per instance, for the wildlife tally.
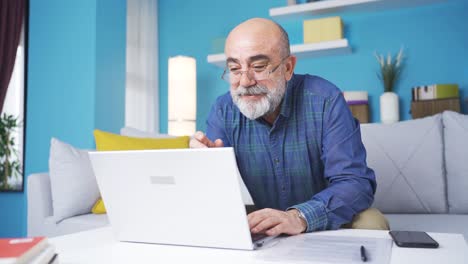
(226, 72)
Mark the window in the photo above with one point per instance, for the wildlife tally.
(14, 105)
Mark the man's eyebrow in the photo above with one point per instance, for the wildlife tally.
(249, 60)
(259, 57)
(230, 59)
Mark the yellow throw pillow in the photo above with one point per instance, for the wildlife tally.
(110, 141)
(106, 141)
(98, 207)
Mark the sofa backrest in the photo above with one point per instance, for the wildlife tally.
(408, 161)
(456, 160)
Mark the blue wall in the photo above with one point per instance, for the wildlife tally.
(76, 58)
(111, 42)
(434, 36)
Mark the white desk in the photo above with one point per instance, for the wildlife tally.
(99, 246)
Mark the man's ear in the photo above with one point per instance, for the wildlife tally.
(290, 65)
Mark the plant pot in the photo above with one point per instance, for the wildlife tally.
(389, 109)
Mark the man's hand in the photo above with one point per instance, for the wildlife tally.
(274, 222)
(199, 140)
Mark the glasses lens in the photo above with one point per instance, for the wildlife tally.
(231, 77)
(260, 76)
(252, 74)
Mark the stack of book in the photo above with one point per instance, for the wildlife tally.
(31, 250)
(434, 91)
(428, 100)
(358, 102)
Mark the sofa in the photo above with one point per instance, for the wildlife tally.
(60, 201)
(420, 166)
(41, 220)
(422, 172)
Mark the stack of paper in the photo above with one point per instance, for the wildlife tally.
(312, 248)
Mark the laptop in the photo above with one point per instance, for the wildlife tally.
(190, 197)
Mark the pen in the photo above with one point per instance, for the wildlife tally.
(363, 254)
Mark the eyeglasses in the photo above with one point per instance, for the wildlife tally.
(257, 72)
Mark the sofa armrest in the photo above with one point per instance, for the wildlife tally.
(39, 199)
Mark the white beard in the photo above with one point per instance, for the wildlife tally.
(270, 100)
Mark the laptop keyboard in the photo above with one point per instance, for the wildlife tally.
(257, 237)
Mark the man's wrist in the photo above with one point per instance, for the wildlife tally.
(301, 218)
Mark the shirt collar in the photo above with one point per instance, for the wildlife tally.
(288, 97)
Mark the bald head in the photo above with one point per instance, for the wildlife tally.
(258, 33)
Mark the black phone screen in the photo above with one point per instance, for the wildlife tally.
(416, 239)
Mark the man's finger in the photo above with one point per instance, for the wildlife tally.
(218, 143)
(267, 224)
(276, 230)
(199, 140)
(256, 217)
(194, 143)
(200, 136)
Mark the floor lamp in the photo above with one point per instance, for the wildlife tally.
(182, 93)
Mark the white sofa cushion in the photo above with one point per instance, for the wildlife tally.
(73, 185)
(456, 153)
(134, 132)
(408, 164)
(39, 198)
(73, 224)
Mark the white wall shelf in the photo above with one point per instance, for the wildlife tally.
(327, 7)
(217, 59)
(325, 48)
(335, 6)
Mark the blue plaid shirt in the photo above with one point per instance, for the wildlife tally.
(311, 159)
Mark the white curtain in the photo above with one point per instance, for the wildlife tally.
(141, 97)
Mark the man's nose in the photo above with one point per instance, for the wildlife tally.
(247, 79)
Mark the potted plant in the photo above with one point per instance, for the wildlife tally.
(389, 74)
(10, 165)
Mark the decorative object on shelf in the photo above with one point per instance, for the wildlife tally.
(358, 102)
(182, 95)
(389, 74)
(434, 91)
(432, 99)
(323, 29)
(389, 108)
(11, 176)
(423, 108)
(291, 2)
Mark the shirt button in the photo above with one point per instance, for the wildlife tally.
(277, 161)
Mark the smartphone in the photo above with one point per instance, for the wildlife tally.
(413, 239)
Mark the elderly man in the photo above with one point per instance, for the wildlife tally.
(298, 148)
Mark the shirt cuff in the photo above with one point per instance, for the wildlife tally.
(315, 214)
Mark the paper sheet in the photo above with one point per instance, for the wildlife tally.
(329, 249)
